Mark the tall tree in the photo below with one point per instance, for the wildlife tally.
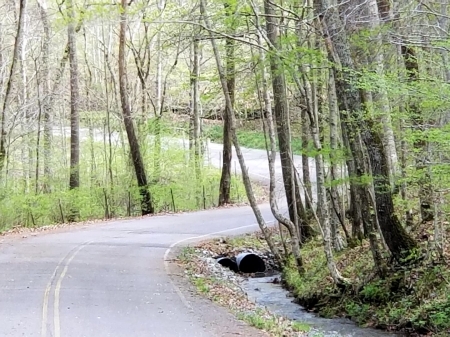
(46, 93)
(282, 120)
(195, 121)
(74, 180)
(245, 176)
(400, 243)
(136, 156)
(10, 81)
(420, 142)
(225, 179)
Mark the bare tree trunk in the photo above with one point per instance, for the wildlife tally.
(323, 209)
(195, 113)
(336, 205)
(9, 83)
(146, 200)
(38, 133)
(420, 144)
(47, 138)
(245, 176)
(381, 98)
(295, 239)
(306, 175)
(159, 101)
(281, 110)
(74, 180)
(225, 179)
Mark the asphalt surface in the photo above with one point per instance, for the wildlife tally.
(115, 278)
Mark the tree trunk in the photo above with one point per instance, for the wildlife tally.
(398, 241)
(336, 205)
(281, 110)
(245, 176)
(74, 180)
(380, 96)
(420, 143)
(195, 112)
(306, 175)
(141, 177)
(9, 83)
(47, 139)
(225, 179)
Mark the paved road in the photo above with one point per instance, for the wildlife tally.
(111, 279)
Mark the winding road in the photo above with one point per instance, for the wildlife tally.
(115, 278)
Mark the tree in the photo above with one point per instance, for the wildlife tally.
(10, 81)
(282, 120)
(74, 180)
(46, 94)
(225, 179)
(141, 176)
(400, 243)
(245, 177)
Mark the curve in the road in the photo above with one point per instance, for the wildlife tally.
(112, 279)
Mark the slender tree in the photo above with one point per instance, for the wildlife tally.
(141, 176)
(245, 176)
(10, 81)
(225, 179)
(74, 180)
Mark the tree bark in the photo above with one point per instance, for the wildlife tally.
(225, 179)
(420, 143)
(10, 82)
(195, 111)
(245, 176)
(281, 111)
(141, 177)
(47, 137)
(398, 241)
(74, 180)
(380, 95)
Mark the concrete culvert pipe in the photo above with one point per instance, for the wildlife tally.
(228, 263)
(250, 263)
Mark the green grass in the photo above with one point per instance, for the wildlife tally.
(249, 138)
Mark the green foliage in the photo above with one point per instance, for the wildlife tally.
(375, 292)
(300, 327)
(417, 298)
(176, 189)
(201, 284)
(259, 321)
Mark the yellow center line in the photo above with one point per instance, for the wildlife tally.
(45, 305)
(56, 320)
(46, 299)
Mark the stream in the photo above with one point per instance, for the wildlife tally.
(276, 299)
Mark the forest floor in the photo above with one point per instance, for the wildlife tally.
(414, 300)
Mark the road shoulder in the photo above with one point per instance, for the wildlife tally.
(217, 319)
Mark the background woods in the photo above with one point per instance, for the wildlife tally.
(106, 109)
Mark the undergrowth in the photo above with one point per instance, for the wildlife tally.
(413, 300)
(108, 187)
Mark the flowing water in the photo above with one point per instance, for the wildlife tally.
(272, 296)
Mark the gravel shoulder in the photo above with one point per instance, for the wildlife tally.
(220, 320)
(198, 271)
